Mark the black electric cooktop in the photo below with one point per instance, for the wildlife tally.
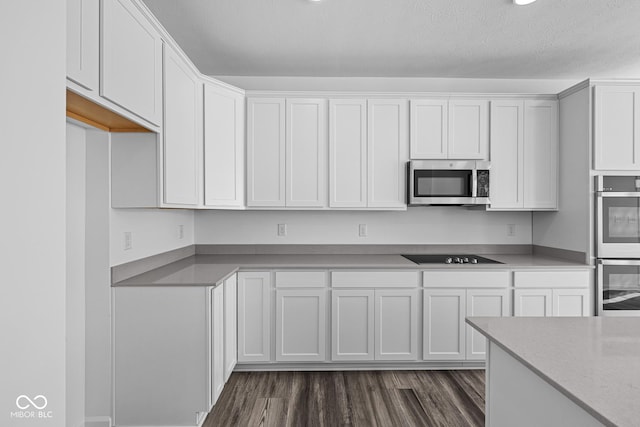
(450, 259)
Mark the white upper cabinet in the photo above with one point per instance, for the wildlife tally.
(348, 153)
(468, 129)
(507, 159)
(616, 127)
(83, 42)
(131, 60)
(182, 131)
(449, 129)
(388, 152)
(286, 152)
(524, 155)
(429, 128)
(368, 150)
(541, 154)
(306, 151)
(266, 152)
(223, 147)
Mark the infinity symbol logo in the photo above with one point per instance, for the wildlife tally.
(22, 398)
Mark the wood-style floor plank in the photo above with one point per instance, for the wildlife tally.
(352, 398)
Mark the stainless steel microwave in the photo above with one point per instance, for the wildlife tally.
(448, 182)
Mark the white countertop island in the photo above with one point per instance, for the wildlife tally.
(562, 371)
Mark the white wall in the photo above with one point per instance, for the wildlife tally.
(569, 227)
(32, 184)
(394, 84)
(98, 281)
(423, 225)
(75, 363)
(153, 231)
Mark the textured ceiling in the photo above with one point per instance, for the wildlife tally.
(552, 39)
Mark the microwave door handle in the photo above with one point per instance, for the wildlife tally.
(474, 183)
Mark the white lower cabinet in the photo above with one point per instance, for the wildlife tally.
(301, 325)
(396, 324)
(374, 324)
(230, 325)
(254, 317)
(450, 297)
(352, 323)
(168, 354)
(552, 293)
(444, 311)
(217, 342)
(487, 303)
(532, 302)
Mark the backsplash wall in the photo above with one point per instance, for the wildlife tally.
(423, 225)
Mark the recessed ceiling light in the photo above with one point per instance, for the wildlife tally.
(522, 2)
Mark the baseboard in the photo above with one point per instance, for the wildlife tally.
(97, 422)
(362, 366)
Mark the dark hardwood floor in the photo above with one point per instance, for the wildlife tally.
(351, 398)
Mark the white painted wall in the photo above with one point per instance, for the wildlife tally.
(153, 231)
(32, 184)
(398, 84)
(75, 294)
(569, 227)
(428, 225)
(98, 282)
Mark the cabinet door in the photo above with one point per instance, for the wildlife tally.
(230, 325)
(388, 152)
(306, 149)
(217, 342)
(484, 302)
(301, 320)
(541, 154)
(429, 128)
(131, 60)
(182, 131)
(570, 302)
(266, 152)
(507, 149)
(468, 129)
(223, 147)
(396, 325)
(444, 328)
(616, 127)
(347, 153)
(83, 44)
(532, 302)
(352, 325)
(254, 317)
(161, 349)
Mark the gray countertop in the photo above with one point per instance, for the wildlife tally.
(207, 270)
(594, 361)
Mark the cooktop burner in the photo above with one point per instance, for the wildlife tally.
(450, 259)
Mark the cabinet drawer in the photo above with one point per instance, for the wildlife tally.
(301, 279)
(549, 279)
(466, 279)
(374, 279)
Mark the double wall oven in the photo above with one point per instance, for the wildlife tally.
(618, 245)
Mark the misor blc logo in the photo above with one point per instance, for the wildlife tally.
(31, 407)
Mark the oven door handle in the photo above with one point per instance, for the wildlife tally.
(620, 194)
(602, 261)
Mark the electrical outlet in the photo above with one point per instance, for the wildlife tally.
(282, 230)
(128, 240)
(511, 230)
(362, 230)
(181, 231)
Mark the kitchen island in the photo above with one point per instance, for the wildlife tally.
(561, 371)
